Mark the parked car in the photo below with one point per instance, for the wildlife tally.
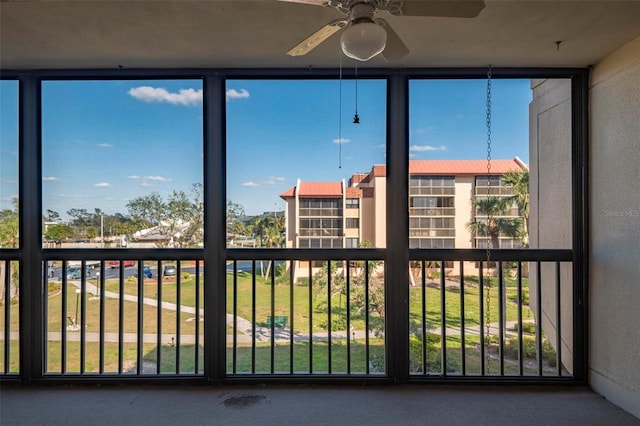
(116, 263)
(146, 272)
(76, 273)
(169, 271)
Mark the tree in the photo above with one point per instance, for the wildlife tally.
(235, 212)
(489, 223)
(519, 180)
(177, 221)
(58, 232)
(9, 226)
(9, 238)
(52, 216)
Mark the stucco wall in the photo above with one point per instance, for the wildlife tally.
(615, 228)
(464, 193)
(550, 205)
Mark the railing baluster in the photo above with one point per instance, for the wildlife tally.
(443, 321)
(196, 354)
(481, 303)
(520, 341)
(158, 315)
(63, 349)
(291, 316)
(348, 308)
(463, 340)
(253, 316)
(310, 319)
(558, 323)
(366, 319)
(539, 316)
(234, 347)
(178, 344)
(329, 320)
(102, 317)
(6, 266)
(501, 315)
(424, 317)
(140, 325)
(121, 321)
(273, 321)
(83, 315)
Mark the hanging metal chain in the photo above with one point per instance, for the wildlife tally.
(488, 123)
(487, 339)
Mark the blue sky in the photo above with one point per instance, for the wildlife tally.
(107, 142)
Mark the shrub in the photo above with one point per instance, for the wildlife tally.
(186, 276)
(337, 324)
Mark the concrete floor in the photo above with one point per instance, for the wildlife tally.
(308, 405)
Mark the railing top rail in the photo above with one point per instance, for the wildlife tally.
(512, 255)
(523, 255)
(123, 254)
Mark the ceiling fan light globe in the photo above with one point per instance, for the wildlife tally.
(363, 41)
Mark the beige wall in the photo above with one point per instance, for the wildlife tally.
(464, 194)
(550, 204)
(615, 228)
(380, 184)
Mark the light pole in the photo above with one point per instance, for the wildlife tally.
(74, 323)
(78, 291)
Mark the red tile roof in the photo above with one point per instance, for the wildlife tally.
(416, 167)
(320, 189)
(315, 189)
(289, 193)
(461, 167)
(353, 192)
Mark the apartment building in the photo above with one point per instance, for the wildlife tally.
(441, 192)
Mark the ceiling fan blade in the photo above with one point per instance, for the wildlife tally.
(395, 48)
(313, 2)
(311, 42)
(442, 8)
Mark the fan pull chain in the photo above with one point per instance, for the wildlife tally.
(356, 119)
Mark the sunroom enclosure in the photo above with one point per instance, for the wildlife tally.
(238, 314)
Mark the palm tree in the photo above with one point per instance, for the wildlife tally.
(519, 180)
(489, 223)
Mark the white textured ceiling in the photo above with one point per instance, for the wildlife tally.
(216, 33)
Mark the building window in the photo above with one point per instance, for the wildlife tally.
(352, 203)
(352, 243)
(353, 222)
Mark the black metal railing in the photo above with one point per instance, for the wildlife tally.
(129, 316)
(301, 317)
(299, 313)
(497, 317)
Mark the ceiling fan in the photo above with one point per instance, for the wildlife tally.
(366, 35)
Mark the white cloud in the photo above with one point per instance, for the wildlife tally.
(158, 178)
(341, 140)
(423, 148)
(63, 195)
(102, 185)
(49, 178)
(105, 145)
(236, 94)
(145, 179)
(251, 184)
(185, 97)
(273, 180)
